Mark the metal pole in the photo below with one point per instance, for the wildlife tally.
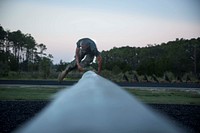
(97, 105)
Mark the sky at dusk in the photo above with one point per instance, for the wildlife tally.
(59, 24)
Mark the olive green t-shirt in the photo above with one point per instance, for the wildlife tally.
(92, 49)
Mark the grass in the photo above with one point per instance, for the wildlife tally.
(27, 92)
(161, 96)
(167, 96)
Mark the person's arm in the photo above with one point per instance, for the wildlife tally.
(99, 60)
(77, 60)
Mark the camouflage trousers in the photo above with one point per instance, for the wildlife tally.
(84, 62)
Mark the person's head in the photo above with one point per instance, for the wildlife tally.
(84, 46)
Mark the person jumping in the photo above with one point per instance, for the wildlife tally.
(85, 48)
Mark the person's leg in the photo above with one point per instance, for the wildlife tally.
(88, 59)
(71, 66)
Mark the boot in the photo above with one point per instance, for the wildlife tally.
(62, 75)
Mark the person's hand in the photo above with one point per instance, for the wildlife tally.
(80, 68)
(99, 73)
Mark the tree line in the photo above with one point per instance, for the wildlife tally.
(20, 52)
(178, 57)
